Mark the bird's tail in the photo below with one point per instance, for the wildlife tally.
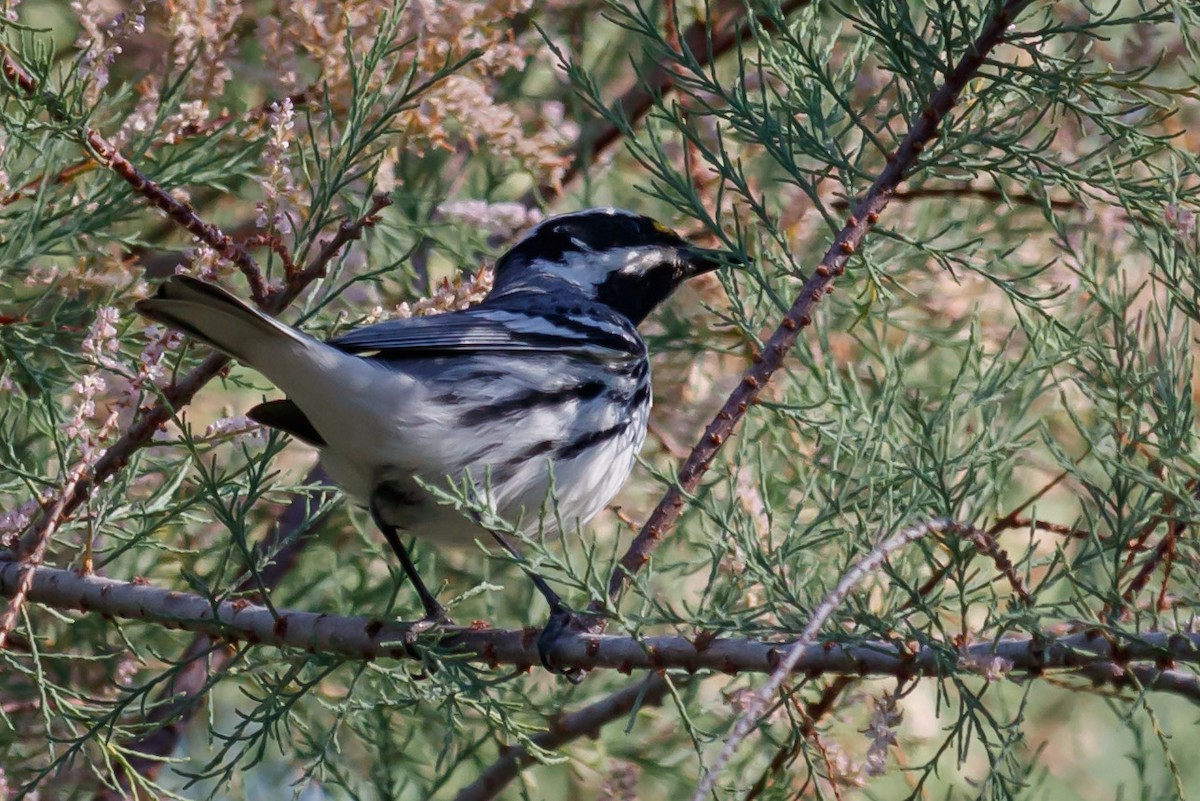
(208, 313)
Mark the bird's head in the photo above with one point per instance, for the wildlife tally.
(626, 261)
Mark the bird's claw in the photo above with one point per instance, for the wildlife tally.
(562, 621)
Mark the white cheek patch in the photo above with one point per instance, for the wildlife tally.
(638, 261)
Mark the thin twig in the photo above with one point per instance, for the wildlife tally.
(1043, 525)
(111, 157)
(347, 232)
(986, 544)
(1011, 520)
(725, 26)
(585, 722)
(82, 167)
(811, 714)
(30, 553)
(852, 578)
(1164, 553)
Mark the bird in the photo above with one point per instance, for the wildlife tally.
(545, 382)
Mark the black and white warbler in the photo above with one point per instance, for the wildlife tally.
(547, 376)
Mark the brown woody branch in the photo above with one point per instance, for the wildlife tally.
(583, 723)
(1184, 683)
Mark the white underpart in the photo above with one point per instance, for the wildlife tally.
(387, 426)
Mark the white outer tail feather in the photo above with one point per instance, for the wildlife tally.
(218, 319)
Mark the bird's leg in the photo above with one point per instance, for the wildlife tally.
(435, 613)
(562, 618)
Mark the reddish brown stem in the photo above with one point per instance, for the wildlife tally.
(275, 245)
(812, 713)
(1042, 525)
(585, 722)
(986, 544)
(111, 157)
(1164, 551)
(847, 241)
(724, 28)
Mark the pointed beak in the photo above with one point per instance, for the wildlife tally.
(698, 261)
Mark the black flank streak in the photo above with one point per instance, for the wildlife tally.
(642, 395)
(580, 445)
(532, 452)
(485, 375)
(635, 371)
(478, 454)
(531, 399)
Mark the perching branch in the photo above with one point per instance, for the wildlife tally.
(361, 637)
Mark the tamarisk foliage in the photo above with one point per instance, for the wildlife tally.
(965, 326)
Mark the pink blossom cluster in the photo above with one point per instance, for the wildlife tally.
(279, 187)
(100, 41)
(1182, 221)
(14, 522)
(501, 219)
(202, 32)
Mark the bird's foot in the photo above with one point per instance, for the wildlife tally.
(563, 622)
